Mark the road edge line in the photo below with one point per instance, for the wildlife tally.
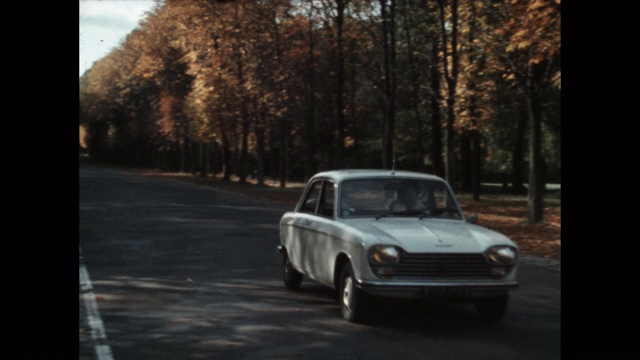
(103, 351)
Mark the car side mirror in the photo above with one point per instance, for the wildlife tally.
(472, 219)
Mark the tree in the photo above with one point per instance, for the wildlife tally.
(388, 14)
(288, 88)
(472, 111)
(450, 66)
(533, 32)
(164, 58)
(334, 13)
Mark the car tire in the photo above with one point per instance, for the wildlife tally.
(492, 309)
(292, 277)
(353, 301)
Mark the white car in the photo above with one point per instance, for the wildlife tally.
(395, 234)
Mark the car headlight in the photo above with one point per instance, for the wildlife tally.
(501, 255)
(384, 254)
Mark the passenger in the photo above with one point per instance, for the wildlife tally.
(407, 200)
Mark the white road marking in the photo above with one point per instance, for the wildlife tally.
(103, 351)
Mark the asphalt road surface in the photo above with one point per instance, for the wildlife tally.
(173, 270)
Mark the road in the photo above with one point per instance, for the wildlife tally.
(173, 270)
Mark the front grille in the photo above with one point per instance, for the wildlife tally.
(449, 266)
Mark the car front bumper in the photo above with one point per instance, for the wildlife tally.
(437, 289)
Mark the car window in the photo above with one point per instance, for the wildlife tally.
(367, 197)
(326, 200)
(379, 197)
(311, 201)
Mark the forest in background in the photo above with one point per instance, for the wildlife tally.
(467, 90)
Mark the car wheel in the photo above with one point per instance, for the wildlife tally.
(292, 277)
(492, 309)
(352, 300)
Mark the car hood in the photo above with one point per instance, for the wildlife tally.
(430, 235)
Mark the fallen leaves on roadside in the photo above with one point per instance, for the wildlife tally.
(507, 216)
(510, 218)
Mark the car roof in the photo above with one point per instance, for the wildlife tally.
(340, 175)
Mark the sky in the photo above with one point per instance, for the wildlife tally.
(104, 24)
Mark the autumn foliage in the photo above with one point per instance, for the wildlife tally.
(283, 89)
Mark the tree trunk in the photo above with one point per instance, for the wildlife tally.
(309, 166)
(183, 154)
(241, 166)
(353, 128)
(535, 199)
(274, 152)
(244, 152)
(203, 159)
(340, 83)
(260, 145)
(226, 158)
(465, 162)
(517, 159)
(389, 47)
(451, 78)
(415, 89)
(476, 164)
(192, 158)
(214, 158)
(475, 148)
(436, 119)
(449, 133)
(282, 168)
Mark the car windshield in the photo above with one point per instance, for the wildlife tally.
(397, 197)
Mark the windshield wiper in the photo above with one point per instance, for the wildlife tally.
(434, 213)
(403, 213)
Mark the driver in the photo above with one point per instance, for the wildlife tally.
(407, 199)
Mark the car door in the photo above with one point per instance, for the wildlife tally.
(300, 227)
(319, 244)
